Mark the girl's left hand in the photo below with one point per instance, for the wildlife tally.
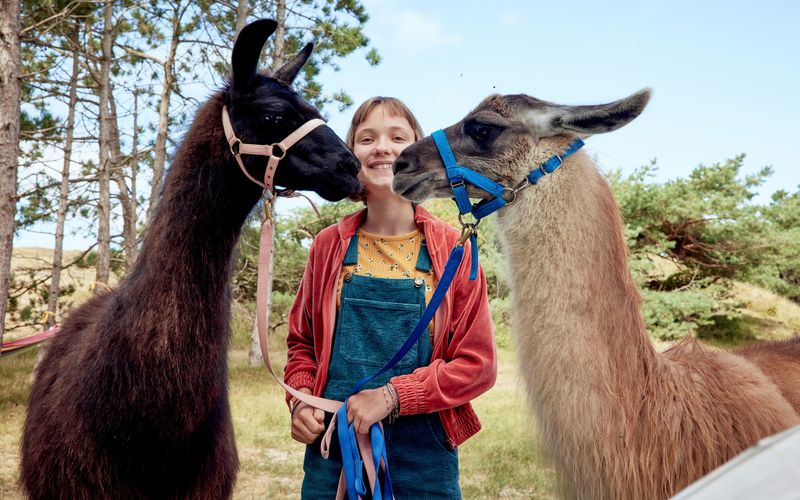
(367, 407)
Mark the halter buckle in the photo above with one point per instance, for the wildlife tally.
(454, 185)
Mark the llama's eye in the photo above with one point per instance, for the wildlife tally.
(480, 132)
(272, 119)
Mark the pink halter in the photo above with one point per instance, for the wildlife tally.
(276, 152)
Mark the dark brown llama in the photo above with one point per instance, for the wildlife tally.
(621, 420)
(131, 400)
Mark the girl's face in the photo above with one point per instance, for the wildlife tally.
(379, 139)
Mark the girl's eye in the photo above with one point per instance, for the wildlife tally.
(365, 140)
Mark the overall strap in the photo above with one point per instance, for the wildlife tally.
(424, 263)
(351, 256)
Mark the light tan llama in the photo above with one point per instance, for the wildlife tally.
(620, 419)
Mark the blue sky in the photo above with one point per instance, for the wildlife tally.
(725, 74)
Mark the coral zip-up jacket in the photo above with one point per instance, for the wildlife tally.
(464, 361)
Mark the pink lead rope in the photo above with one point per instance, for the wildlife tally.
(276, 152)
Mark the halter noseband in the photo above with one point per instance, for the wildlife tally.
(276, 151)
(499, 195)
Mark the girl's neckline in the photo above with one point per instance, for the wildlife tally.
(394, 237)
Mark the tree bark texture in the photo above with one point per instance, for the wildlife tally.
(9, 140)
(104, 204)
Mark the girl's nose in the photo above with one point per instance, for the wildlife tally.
(382, 145)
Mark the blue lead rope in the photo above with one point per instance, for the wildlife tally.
(351, 460)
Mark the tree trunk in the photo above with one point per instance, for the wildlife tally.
(117, 172)
(104, 203)
(9, 141)
(163, 117)
(242, 11)
(131, 247)
(61, 214)
(280, 36)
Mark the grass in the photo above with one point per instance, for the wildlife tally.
(500, 461)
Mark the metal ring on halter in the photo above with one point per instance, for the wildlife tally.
(465, 224)
(456, 184)
(281, 148)
(235, 142)
(509, 195)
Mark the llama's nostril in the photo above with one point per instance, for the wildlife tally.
(397, 166)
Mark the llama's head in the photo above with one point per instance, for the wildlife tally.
(504, 138)
(265, 110)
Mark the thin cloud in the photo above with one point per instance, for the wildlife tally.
(509, 19)
(415, 31)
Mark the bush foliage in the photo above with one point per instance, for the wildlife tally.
(688, 240)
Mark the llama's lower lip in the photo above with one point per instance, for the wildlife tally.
(406, 189)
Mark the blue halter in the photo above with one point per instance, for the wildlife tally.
(499, 195)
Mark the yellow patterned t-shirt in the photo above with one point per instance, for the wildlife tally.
(392, 257)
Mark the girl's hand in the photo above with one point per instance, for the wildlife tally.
(367, 407)
(307, 422)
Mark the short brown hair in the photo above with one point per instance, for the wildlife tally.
(393, 107)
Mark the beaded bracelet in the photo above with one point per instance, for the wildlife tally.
(293, 403)
(395, 413)
(388, 398)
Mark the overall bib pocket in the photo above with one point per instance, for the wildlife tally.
(371, 336)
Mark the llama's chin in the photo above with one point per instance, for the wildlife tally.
(416, 189)
(339, 189)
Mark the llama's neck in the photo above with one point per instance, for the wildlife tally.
(581, 339)
(181, 279)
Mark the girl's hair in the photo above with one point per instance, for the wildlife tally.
(392, 107)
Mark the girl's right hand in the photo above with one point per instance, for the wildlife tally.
(307, 422)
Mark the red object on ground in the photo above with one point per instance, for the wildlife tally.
(31, 340)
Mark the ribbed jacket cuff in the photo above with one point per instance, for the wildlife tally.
(465, 424)
(409, 391)
(299, 380)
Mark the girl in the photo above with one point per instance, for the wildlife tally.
(367, 281)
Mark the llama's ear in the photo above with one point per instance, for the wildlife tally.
(247, 51)
(289, 71)
(600, 118)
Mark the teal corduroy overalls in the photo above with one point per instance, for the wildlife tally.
(376, 315)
